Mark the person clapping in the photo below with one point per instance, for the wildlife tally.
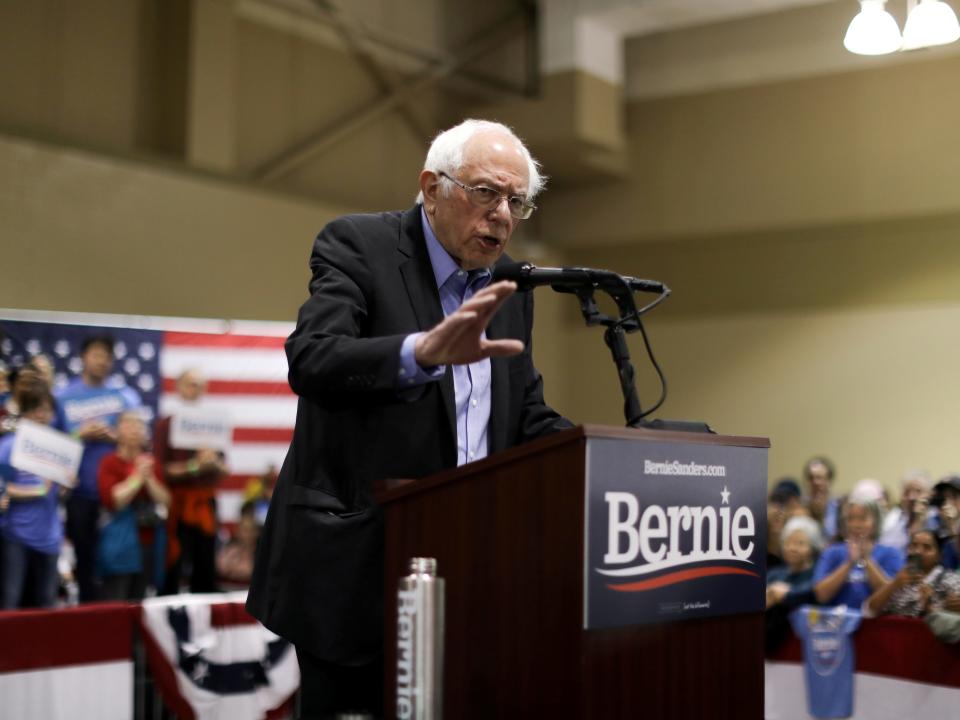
(849, 571)
(135, 503)
(921, 586)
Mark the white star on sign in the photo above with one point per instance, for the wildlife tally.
(725, 496)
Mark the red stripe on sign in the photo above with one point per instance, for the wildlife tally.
(678, 577)
(237, 387)
(262, 435)
(36, 639)
(188, 339)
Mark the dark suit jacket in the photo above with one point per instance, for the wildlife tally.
(318, 579)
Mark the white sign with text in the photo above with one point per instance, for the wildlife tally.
(47, 453)
(196, 428)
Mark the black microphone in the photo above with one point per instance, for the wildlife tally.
(527, 276)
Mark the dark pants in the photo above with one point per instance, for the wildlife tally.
(20, 562)
(196, 561)
(82, 517)
(327, 688)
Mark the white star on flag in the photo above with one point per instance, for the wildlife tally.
(725, 496)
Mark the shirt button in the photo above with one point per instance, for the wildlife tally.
(410, 381)
(473, 402)
(460, 273)
(403, 371)
(471, 456)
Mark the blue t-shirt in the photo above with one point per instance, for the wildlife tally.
(79, 403)
(34, 523)
(828, 658)
(856, 589)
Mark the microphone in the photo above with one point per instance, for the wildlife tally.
(528, 276)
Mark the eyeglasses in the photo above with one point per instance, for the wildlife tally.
(483, 196)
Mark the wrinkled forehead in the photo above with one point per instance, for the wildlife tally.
(496, 151)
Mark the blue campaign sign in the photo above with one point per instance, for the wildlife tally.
(674, 530)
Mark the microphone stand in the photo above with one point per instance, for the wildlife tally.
(616, 340)
(615, 337)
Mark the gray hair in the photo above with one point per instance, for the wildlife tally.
(920, 476)
(446, 152)
(806, 525)
(868, 504)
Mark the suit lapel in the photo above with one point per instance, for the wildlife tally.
(499, 389)
(421, 285)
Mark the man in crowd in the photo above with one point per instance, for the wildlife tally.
(88, 407)
(406, 361)
(192, 475)
(824, 508)
(912, 513)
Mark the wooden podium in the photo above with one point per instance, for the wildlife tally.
(508, 536)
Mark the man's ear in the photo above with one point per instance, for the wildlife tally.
(430, 187)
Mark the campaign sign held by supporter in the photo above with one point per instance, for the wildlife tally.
(45, 452)
(673, 531)
(196, 428)
(828, 657)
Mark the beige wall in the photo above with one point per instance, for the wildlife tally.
(857, 146)
(85, 232)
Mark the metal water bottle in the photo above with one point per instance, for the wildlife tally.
(420, 629)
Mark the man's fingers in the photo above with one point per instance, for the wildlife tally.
(490, 299)
(501, 348)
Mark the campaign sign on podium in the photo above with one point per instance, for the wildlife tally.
(196, 428)
(673, 531)
(45, 452)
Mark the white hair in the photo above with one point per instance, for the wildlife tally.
(806, 525)
(446, 153)
(921, 477)
(870, 489)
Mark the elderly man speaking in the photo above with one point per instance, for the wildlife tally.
(406, 361)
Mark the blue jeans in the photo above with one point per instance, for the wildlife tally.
(19, 562)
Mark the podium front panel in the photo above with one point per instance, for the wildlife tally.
(673, 531)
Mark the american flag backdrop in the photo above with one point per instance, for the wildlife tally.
(245, 367)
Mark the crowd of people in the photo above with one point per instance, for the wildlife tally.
(861, 550)
(139, 517)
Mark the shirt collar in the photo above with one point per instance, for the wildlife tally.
(443, 263)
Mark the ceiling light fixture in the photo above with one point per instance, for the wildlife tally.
(874, 31)
(931, 22)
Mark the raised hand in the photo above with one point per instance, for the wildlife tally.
(457, 339)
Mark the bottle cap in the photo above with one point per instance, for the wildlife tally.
(423, 565)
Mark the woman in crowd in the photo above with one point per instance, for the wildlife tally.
(23, 379)
(923, 585)
(782, 504)
(851, 570)
(791, 584)
(131, 493)
(31, 527)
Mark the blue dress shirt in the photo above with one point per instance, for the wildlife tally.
(471, 383)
